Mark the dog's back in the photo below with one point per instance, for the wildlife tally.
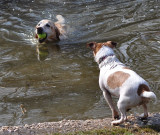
(120, 80)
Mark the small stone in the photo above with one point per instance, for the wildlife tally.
(16, 130)
(66, 124)
(5, 127)
(135, 125)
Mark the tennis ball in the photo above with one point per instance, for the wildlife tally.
(41, 36)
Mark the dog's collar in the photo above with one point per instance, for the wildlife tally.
(103, 58)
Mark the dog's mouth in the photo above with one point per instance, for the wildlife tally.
(42, 37)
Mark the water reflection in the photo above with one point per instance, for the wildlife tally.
(45, 51)
(60, 81)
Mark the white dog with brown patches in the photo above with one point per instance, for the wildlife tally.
(51, 31)
(117, 79)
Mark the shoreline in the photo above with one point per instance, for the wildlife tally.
(71, 126)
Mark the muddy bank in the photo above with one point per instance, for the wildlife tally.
(66, 126)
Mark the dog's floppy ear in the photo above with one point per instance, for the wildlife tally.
(35, 35)
(111, 44)
(114, 43)
(92, 45)
(57, 33)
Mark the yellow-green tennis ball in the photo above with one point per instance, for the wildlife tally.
(41, 36)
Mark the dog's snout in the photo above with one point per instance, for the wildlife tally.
(39, 30)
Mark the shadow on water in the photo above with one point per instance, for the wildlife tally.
(60, 81)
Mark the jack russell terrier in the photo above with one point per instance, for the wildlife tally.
(117, 79)
(46, 30)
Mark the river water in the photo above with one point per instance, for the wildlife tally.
(60, 80)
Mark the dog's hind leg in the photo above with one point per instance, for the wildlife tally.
(122, 109)
(145, 115)
(108, 98)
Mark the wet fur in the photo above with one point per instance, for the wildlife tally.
(54, 32)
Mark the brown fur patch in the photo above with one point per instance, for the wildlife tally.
(57, 33)
(142, 88)
(110, 44)
(97, 46)
(116, 79)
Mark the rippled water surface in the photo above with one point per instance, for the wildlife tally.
(61, 81)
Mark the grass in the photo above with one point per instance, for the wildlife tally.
(147, 130)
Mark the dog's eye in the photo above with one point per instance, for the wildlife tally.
(47, 25)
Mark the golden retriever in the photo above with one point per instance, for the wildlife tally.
(50, 31)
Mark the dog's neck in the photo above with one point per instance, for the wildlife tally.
(105, 57)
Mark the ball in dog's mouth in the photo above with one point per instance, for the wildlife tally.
(42, 37)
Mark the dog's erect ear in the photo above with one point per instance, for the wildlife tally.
(92, 45)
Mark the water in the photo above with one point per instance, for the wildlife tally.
(61, 82)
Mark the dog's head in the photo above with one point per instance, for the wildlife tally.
(97, 46)
(46, 31)
(102, 50)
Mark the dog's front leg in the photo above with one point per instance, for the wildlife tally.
(108, 98)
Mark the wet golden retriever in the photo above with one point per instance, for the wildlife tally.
(50, 31)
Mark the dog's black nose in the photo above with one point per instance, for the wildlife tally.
(39, 30)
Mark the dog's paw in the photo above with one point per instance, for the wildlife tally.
(114, 123)
(143, 117)
(117, 122)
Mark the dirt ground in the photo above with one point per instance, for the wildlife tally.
(69, 126)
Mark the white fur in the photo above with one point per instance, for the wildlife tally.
(149, 94)
(127, 93)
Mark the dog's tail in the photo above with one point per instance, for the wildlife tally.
(60, 19)
(149, 94)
